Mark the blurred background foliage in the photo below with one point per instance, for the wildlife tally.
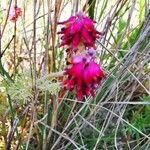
(36, 113)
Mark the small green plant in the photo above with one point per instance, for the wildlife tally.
(53, 92)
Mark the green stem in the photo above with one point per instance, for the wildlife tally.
(4, 73)
(45, 112)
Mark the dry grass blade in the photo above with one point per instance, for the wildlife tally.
(42, 110)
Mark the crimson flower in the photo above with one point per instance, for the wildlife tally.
(14, 13)
(84, 75)
(78, 32)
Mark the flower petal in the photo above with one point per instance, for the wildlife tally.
(71, 19)
(75, 40)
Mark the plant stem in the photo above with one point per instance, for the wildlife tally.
(34, 99)
(45, 121)
(15, 25)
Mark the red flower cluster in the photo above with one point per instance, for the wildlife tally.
(14, 13)
(84, 75)
(78, 32)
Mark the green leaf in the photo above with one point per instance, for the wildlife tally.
(104, 5)
(91, 8)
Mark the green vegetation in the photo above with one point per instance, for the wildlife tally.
(37, 113)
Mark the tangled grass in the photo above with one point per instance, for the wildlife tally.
(36, 113)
